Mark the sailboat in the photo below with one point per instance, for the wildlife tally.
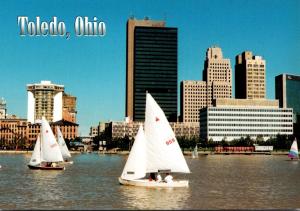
(46, 153)
(63, 147)
(154, 150)
(293, 153)
(195, 152)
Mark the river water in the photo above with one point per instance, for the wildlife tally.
(216, 182)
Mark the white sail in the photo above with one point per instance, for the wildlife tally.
(135, 166)
(62, 144)
(49, 146)
(36, 155)
(293, 153)
(163, 151)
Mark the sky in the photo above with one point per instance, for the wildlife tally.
(94, 68)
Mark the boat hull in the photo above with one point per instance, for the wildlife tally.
(154, 184)
(68, 162)
(46, 167)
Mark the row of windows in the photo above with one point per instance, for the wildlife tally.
(237, 135)
(251, 110)
(250, 125)
(250, 120)
(250, 130)
(252, 115)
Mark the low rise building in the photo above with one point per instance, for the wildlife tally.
(129, 129)
(231, 119)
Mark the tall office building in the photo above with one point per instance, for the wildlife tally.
(250, 76)
(217, 74)
(151, 66)
(287, 91)
(193, 97)
(44, 99)
(217, 83)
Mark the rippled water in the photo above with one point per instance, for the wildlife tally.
(216, 182)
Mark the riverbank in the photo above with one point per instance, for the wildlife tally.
(187, 153)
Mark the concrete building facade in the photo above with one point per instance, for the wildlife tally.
(217, 83)
(2, 108)
(123, 128)
(250, 76)
(69, 108)
(44, 99)
(235, 118)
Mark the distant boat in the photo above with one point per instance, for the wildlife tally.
(293, 153)
(154, 151)
(63, 147)
(195, 152)
(46, 154)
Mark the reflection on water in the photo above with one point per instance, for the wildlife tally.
(216, 182)
(149, 198)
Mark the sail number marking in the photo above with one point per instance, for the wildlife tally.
(170, 141)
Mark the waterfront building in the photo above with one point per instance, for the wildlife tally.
(287, 91)
(2, 108)
(124, 129)
(230, 119)
(193, 97)
(217, 83)
(250, 76)
(18, 131)
(151, 65)
(94, 131)
(44, 99)
(217, 74)
(69, 108)
(13, 131)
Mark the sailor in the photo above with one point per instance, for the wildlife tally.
(158, 178)
(152, 177)
(168, 178)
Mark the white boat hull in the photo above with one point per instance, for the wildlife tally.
(154, 184)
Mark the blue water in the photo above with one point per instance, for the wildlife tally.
(216, 182)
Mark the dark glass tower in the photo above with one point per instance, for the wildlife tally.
(287, 91)
(155, 70)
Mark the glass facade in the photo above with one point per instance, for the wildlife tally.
(155, 69)
(287, 91)
(293, 95)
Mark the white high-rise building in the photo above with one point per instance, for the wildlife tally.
(44, 99)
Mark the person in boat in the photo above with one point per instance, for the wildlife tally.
(53, 165)
(168, 178)
(152, 177)
(158, 178)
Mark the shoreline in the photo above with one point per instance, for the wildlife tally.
(187, 153)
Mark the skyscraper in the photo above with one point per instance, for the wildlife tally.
(217, 83)
(217, 74)
(151, 66)
(44, 99)
(287, 91)
(250, 76)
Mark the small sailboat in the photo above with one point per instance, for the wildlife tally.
(63, 147)
(154, 151)
(293, 153)
(46, 154)
(195, 152)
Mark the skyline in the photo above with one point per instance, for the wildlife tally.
(270, 29)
